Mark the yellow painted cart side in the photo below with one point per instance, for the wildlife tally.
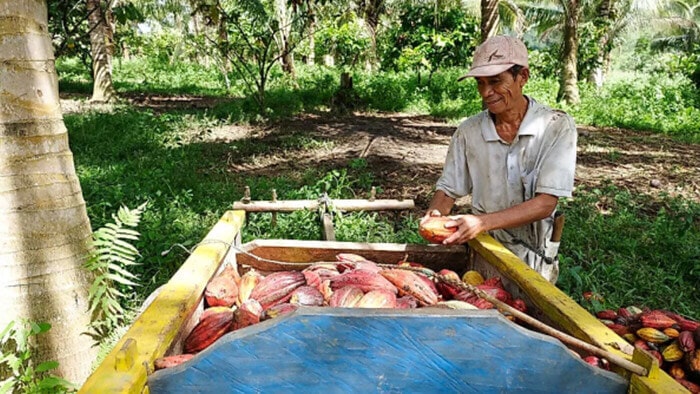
(126, 367)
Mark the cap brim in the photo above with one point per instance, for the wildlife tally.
(486, 71)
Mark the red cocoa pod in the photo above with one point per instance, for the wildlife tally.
(358, 262)
(279, 310)
(208, 330)
(494, 281)
(222, 290)
(656, 319)
(171, 361)
(313, 279)
(446, 290)
(247, 314)
(346, 297)
(607, 314)
(520, 305)
(688, 325)
(409, 283)
(434, 231)
(686, 341)
(482, 304)
(658, 356)
(214, 310)
(642, 344)
(377, 299)
(624, 312)
(365, 280)
(406, 302)
(619, 329)
(276, 288)
(676, 371)
(597, 362)
(496, 292)
(692, 363)
(306, 296)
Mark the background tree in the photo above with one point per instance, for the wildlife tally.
(101, 49)
(45, 231)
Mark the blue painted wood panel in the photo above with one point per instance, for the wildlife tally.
(335, 350)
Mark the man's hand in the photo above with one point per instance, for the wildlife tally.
(468, 227)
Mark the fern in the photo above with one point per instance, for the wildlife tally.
(111, 255)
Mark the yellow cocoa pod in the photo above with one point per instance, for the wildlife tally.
(652, 335)
(672, 352)
(472, 278)
(671, 332)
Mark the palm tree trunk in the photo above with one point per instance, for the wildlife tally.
(44, 231)
(489, 18)
(101, 50)
(568, 88)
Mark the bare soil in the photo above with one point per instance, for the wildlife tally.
(406, 152)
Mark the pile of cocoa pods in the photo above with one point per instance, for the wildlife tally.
(669, 337)
(233, 301)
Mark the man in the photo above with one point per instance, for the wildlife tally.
(516, 159)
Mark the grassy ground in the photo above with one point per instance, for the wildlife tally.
(645, 250)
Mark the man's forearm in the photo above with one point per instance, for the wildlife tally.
(442, 202)
(527, 212)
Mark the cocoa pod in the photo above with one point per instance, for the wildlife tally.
(652, 335)
(326, 290)
(597, 362)
(482, 304)
(313, 279)
(222, 290)
(473, 278)
(686, 341)
(247, 314)
(276, 288)
(358, 262)
(676, 371)
(214, 310)
(433, 229)
(520, 305)
(323, 270)
(642, 344)
(365, 280)
(208, 330)
(409, 283)
(607, 314)
(406, 302)
(658, 356)
(619, 329)
(671, 332)
(494, 281)
(624, 312)
(378, 299)
(447, 290)
(456, 304)
(656, 319)
(496, 292)
(346, 297)
(248, 282)
(279, 310)
(171, 361)
(672, 352)
(692, 364)
(306, 296)
(688, 325)
(634, 311)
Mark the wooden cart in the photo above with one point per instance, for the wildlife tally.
(352, 350)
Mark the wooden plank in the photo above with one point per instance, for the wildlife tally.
(124, 369)
(339, 350)
(312, 205)
(433, 256)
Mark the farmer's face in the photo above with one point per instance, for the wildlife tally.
(501, 91)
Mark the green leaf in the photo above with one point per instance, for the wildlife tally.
(47, 366)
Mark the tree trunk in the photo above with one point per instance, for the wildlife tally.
(44, 231)
(311, 60)
(489, 18)
(284, 19)
(101, 50)
(372, 11)
(568, 88)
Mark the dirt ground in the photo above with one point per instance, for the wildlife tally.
(406, 151)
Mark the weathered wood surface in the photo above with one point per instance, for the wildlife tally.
(337, 350)
(432, 256)
(125, 368)
(312, 205)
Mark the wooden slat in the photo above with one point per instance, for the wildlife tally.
(312, 205)
(124, 370)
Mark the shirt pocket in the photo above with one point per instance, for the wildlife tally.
(529, 180)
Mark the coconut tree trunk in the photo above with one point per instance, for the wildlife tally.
(311, 60)
(44, 230)
(284, 18)
(489, 18)
(568, 88)
(101, 50)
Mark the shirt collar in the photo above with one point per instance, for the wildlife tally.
(488, 128)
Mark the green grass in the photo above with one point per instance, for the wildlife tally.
(643, 252)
